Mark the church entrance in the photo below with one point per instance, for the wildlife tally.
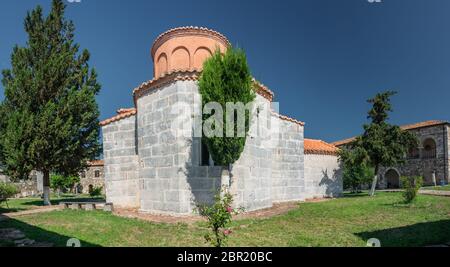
(392, 179)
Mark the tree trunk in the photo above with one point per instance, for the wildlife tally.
(374, 182)
(226, 179)
(46, 182)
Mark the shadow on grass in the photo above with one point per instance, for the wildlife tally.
(416, 235)
(57, 201)
(355, 195)
(4, 210)
(37, 234)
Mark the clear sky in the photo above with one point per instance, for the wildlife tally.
(322, 58)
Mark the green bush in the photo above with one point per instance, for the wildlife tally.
(218, 216)
(95, 191)
(357, 172)
(411, 185)
(7, 190)
(63, 183)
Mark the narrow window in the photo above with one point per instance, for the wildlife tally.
(204, 159)
(97, 174)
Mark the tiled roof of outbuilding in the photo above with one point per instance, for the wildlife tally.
(407, 127)
(319, 147)
(121, 114)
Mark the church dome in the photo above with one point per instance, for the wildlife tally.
(185, 48)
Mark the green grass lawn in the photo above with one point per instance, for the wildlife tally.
(349, 221)
(29, 203)
(440, 188)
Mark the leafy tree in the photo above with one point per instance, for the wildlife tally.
(357, 171)
(63, 183)
(385, 144)
(226, 79)
(7, 190)
(49, 115)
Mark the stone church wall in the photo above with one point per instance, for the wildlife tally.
(121, 162)
(323, 176)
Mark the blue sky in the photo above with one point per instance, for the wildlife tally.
(322, 58)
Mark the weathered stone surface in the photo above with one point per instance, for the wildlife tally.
(154, 167)
(425, 163)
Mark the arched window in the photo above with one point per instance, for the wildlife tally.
(429, 149)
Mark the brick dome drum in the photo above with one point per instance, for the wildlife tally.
(185, 48)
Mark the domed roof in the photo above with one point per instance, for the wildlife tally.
(185, 48)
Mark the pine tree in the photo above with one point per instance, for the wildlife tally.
(49, 115)
(385, 144)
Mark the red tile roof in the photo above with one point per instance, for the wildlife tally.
(98, 162)
(404, 127)
(286, 118)
(319, 147)
(121, 114)
(423, 124)
(189, 75)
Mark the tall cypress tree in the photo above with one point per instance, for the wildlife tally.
(226, 78)
(49, 115)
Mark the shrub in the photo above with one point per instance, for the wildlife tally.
(95, 191)
(7, 190)
(62, 183)
(218, 216)
(411, 185)
(357, 172)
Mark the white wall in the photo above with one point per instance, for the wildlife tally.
(323, 176)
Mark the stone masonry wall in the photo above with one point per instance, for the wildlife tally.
(423, 166)
(251, 174)
(171, 176)
(288, 182)
(121, 163)
(323, 176)
(89, 179)
(165, 153)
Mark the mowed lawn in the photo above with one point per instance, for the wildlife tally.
(29, 203)
(348, 221)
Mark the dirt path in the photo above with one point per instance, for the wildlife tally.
(277, 209)
(435, 193)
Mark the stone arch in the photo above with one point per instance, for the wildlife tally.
(429, 148)
(162, 64)
(200, 55)
(180, 59)
(392, 178)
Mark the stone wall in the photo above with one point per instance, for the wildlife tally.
(153, 159)
(288, 163)
(323, 176)
(166, 155)
(31, 187)
(88, 179)
(425, 166)
(121, 162)
(251, 174)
